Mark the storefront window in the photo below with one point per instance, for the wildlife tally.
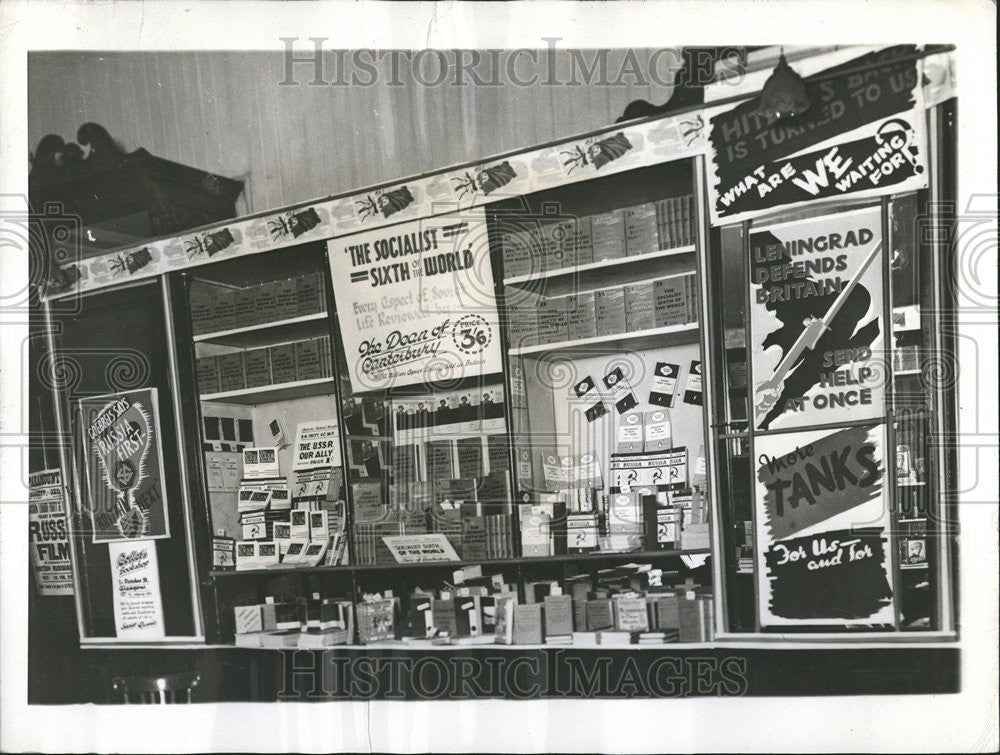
(828, 463)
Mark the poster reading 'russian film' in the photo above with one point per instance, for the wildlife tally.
(48, 533)
(822, 535)
(416, 302)
(817, 330)
(126, 492)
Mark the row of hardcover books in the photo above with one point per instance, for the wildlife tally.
(644, 305)
(309, 359)
(481, 609)
(474, 515)
(539, 244)
(444, 458)
(216, 308)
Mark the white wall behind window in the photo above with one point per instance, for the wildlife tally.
(226, 113)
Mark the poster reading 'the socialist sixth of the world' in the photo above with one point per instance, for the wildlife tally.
(416, 302)
(126, 493)
(816, 321)
(822, 535)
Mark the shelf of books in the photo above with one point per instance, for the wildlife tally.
(271, 434)
(638, 340)
(590, 558)
(626, 606)
(600, 266)
(311, 325)
(263, 394)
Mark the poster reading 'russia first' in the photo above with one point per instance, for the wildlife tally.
(816, 321)
(124, 466)
(822, 536)
(416, 302)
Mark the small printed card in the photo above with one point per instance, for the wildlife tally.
(586, 389)
(656, 427)
(692, 395)
(664, 384)
(259, 463)
(630, 433)
(621, 390)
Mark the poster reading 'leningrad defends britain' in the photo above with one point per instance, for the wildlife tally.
(816, 321)
(822, 535)
(416, 302)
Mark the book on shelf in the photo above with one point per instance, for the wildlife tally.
(558, 615)
(504, 619)
(580, 240)
(608, 235)
(528, 624)
(420, 609)
(317, 639)
(670, 306)
(200, 298)
(280, 640)
(257, 367)
(516, 247)
(285, 300)
(639, 310)
(231, 375)
(609, 306)
(246, 314)
(444, 617)
(468, 616)
(282, 359)
(207, 373)
(641, 232)
(307, 360)
(559, 639)
(548, 238)
(476, 639)
(249, 640)
(599, 614)
(309, 294)
(376, 620)
(581, 316)
(224, 310)
(615, 638)
(470, 456)
(630, 614)
(586, 639)
(440, 459)
(553, 318)
(264, 302)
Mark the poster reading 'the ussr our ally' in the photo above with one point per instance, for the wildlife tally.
(317, 445)
(816, 322)
(823, 527)
(416, 302)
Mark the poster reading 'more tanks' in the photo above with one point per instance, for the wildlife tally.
(822, 535)
(416, 302)
(816, 321)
